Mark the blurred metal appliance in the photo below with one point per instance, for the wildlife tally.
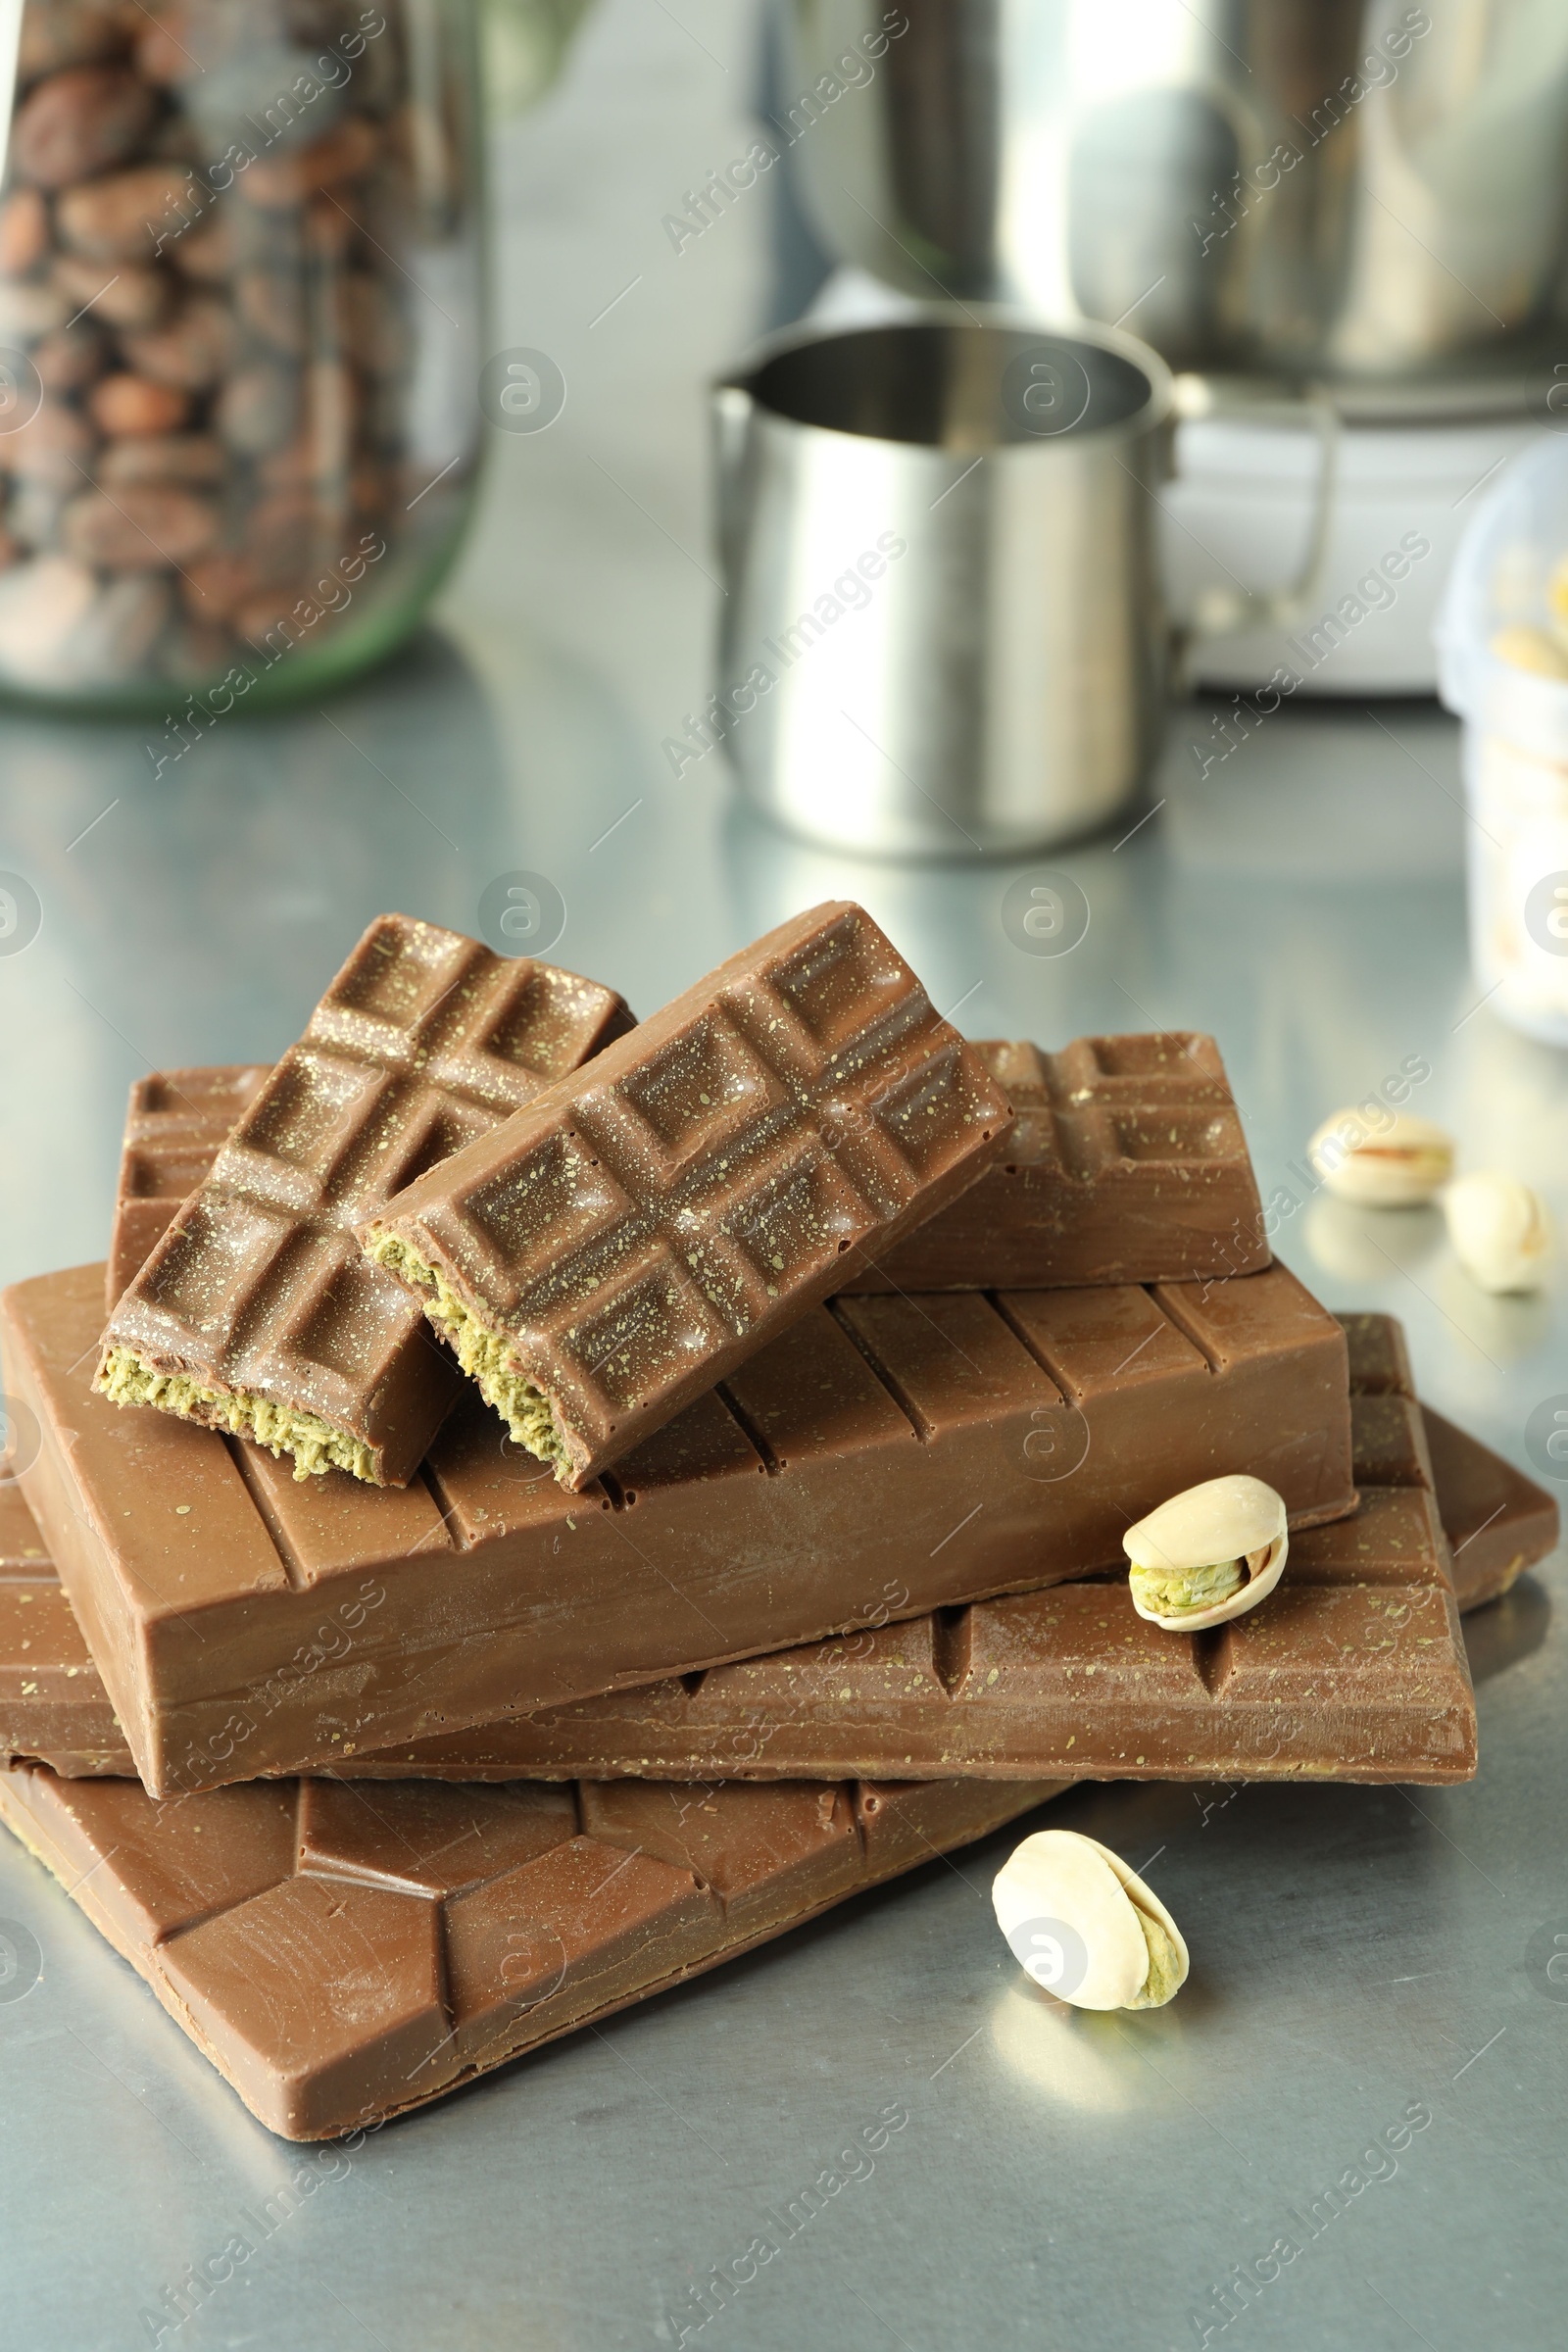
(1343, 188)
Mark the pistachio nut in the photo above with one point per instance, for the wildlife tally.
(1085, 1927)
(1207, 1554)
(1392, 1165)
(1500, 1232)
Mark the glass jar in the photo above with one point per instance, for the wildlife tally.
(240, 287)
(1503, 643)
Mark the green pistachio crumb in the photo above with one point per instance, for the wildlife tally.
(126, 1378)
(478, 1349)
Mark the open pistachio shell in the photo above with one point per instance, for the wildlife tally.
(1500, 1232)
(1394, 1165)
(1085, 1927)
(1210, 1555)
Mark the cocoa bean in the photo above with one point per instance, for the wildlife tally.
(285, 536)
(190, 351)
(216, 586)
(72, 32)
(126, 296)
(126, 405)
(257, 410)
(23, 231)
(375, 332)
(55, 447)
(122, 218)
(149, 527)
(328, 232)
(79, 121)
(332, 406)
(275, 182)
(205, 250)
(71, 356)
(193, 458)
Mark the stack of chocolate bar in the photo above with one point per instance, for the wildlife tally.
(684, 1466)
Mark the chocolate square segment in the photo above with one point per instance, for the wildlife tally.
(641, 1229)
(255, 1311)
(1126, 1163)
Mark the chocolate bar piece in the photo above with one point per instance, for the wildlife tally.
(177, 1123)
(642, 1229)
(1499, 1521)
(257, 1314)
(1353, 1669)
(343, 1955)
(1126, 1162)
(882, 1457)
(54, 1709)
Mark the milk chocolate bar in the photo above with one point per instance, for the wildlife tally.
(881, 1458)
(343, 1955)
(54, 1709)
(1353, 1669)
(177, 1123)
(1126, 1162)
(641, 1230)
(257, 1312)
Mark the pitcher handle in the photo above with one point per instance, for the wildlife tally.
(1228, 611)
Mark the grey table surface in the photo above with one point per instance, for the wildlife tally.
(1367, 1962)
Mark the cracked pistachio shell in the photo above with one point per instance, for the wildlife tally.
(1402, 1164)
(1085, 1927)
(1500, 1233)
(1225, 1519)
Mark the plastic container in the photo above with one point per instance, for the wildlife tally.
(1503, 658)
(239, 338)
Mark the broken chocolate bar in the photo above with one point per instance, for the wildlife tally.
(344, 1954)
(880, 1458)
(1126, 1162)
(642, 1229)
(54, 1709)
(257, 1314)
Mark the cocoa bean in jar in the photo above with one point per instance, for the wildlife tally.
(82, 121)
(152, 526)
(124, 405)
(126, 296)
(193, 458)
(213, 247)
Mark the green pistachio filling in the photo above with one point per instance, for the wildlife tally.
(1168, 1592)
(1164, 1965)
(126, 1378)
(479, 1349)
